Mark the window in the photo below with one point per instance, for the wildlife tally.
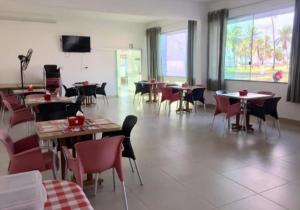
(174, 53)
(258, 46)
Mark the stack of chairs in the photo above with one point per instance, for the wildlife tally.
(52, 78)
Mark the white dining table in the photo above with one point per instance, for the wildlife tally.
(244, 100)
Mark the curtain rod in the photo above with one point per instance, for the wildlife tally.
(249, 4)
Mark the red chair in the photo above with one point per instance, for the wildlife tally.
(223, 105)
(168, 95)
(26, 155)
(13, 100)
(159, 87)
(18, 116)
(95, 157)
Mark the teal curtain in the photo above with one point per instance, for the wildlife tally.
(217, 29)
(191, 51)
(293, 94)
(153, 35)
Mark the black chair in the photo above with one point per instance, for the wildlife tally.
(196, 94)
(269, 107)
(146, 89)
(80, 100)
(138, 89)
(70, 92)
(101, 91)
(128, 152)
(88, 91)
(52, 111)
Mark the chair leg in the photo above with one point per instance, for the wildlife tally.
(278, 127)
(54, 167)
(3, 113)
(96, 184)
(266, 128)
(106, 99)
(138, 172)
(212, 123)
(131, 165)
(124, 195)
(159, 107)
(259, 124)
(54, 173)
(228, 124)
(204, 107)
(114, 179)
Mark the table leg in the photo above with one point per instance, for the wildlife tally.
(180, 103)
(187, 107)
(245, 115)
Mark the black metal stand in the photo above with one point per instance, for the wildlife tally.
(22, 76)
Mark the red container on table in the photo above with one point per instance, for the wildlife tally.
(76, 121)
(30, 88)
(243, 92)
(152, 81)
(72, 121)
(80, 120)
(47, 97)
(85, 83)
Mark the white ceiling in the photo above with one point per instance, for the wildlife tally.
(82, 8)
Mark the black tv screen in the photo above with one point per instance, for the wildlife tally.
(76, 43)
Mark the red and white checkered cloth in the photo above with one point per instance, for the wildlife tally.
(65, 195)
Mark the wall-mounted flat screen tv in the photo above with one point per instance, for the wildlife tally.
(76, 43)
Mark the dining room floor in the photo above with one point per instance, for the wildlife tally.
(187, 165)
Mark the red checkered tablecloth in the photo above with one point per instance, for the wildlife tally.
(65, 195)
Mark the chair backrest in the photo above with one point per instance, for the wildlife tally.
(65, 87)
(69, 92)
(138, 87)
(2, 95)
(128, 125)
(72, 109)
(146, 88)
(52, 111)
(223, 103)
(8, 143)
(89, 90)
(270, 106)
(198, 94)
(8, 106)
(11, 98)
(267, 93)
(52, 71)
(75, 165)
(166, 93)
(160, 86)
(100, 155)
(101, 90)
(103, 85)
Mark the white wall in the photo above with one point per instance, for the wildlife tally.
(106, 36)
(246, 7)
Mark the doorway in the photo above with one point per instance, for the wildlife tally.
(129, 70)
